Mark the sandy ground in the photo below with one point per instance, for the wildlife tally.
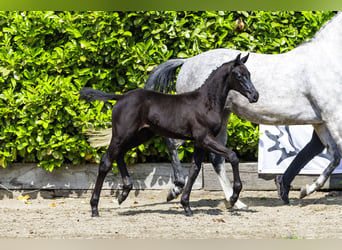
(146, 215)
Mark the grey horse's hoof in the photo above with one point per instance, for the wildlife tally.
(303, 192)
(228, 205)
(240, 206)
(244, 208)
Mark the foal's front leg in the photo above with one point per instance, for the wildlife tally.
(218, 162)
(195, 168)
(211, 144)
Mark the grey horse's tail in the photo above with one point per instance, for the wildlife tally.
(162, 78)
(90, 94)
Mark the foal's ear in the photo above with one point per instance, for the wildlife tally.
(237, 60)
(244, 59)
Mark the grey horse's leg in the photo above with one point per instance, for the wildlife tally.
(179, 179)
(323, 132)
(219, 163)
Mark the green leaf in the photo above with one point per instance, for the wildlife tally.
(70, 111)
(76, 33)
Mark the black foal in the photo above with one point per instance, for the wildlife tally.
(139, 114)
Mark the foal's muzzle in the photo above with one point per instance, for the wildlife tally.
(253, 96)
(250, 92)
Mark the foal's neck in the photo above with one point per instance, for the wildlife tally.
(216, 88)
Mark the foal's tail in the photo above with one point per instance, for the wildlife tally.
(98, 138)
(162, 78)
(90, 95)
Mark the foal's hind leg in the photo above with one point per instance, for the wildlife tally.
(126, 180)
(196, 164)
(179, 179)
(105, 166)
(135, 139)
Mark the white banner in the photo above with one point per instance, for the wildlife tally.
(278, 146)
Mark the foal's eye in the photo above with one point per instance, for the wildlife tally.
(238, 75)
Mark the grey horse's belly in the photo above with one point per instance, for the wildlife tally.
(281, 112)
(280, 83)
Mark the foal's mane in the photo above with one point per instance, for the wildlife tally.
(213, 73)
(211, 85)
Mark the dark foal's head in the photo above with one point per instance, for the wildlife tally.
(240, 80)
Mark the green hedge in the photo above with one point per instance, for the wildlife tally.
(47, 57)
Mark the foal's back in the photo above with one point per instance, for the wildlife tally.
(148, 99)
(165, 114)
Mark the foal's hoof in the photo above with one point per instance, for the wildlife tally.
(187, 208)
(188, 212)
(121, 199)
(171, 195)
(174, 193)
(95, 214)
(232, 202)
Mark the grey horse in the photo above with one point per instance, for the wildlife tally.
(302, 86)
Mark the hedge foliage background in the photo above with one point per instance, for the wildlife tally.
(47, 57)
